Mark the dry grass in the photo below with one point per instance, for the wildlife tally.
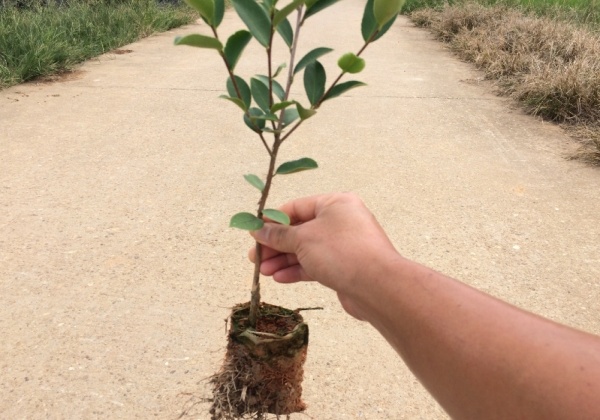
(552, 67)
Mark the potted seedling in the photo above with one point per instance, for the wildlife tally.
(263, 367)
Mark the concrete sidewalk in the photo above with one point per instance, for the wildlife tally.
(117, 184)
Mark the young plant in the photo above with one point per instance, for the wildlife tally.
(267, 108)
(275, 114)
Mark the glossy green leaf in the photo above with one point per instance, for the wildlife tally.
(386, 10)
(219, 12)
(289, 116)
(290, 167)
(310, 3)
(342, 88)
(281, 67)
(351, 63)
(206, 8)
(255, 181)
(255, 18)
(200, 41)
(369, 24)
(277, 88)
(270, 130)
(244, 90)
(314, 81)
(255, 123)
(235, 46)
(260, 94)
(268, 117)
(318, 6)
(310, 57)
(281, 105)
(267, 5)
(236, 101)
(287, 33)
(304, 113)
(246, 221)
(285, 12)
(277, 216)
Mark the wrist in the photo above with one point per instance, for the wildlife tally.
(375, 286)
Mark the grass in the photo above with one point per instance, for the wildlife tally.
(41, 40)
(582, 11)
(551, 66)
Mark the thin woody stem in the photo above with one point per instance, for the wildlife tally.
(290, 78)
(239, 94)
(255, 293)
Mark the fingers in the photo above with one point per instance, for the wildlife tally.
(282, 261)
(279, 237)
(266, 253)
(292, 274)
(302, 209)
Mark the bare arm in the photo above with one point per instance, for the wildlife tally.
(478, 356)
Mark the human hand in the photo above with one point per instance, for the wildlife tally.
(334, 240)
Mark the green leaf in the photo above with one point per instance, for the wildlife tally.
(318, 6)
(270, 130)
(244, 90)
(310, 57)
(314, 81)
(290, 167)
(260, 93)
(236, 101)
(255, 123)
(304, 113)
(255, 18)
(284, 13)
(386, 10)
(255, 181)
(281, 67)
(206, 8)
(200, 41)
(281, 105)
(268, 117)
(369, 24)
(287, 33)
(310, 3)
(246, 221)
(351, 63)
(219, 12)
(267, 5)
(342, 88)
(289, 116)
(277, 88)
(235, 45)
(277, 216)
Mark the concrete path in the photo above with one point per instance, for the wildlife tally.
(116, 186)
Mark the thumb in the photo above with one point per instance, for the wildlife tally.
(278, 237)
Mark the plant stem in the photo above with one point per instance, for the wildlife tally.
(255, 292)
(290, 78)
(239, 94)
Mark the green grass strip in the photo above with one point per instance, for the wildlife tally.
(581, 11)
(39, 41)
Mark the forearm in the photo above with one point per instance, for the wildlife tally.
(478, 356)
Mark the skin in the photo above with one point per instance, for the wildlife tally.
(478, 356)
